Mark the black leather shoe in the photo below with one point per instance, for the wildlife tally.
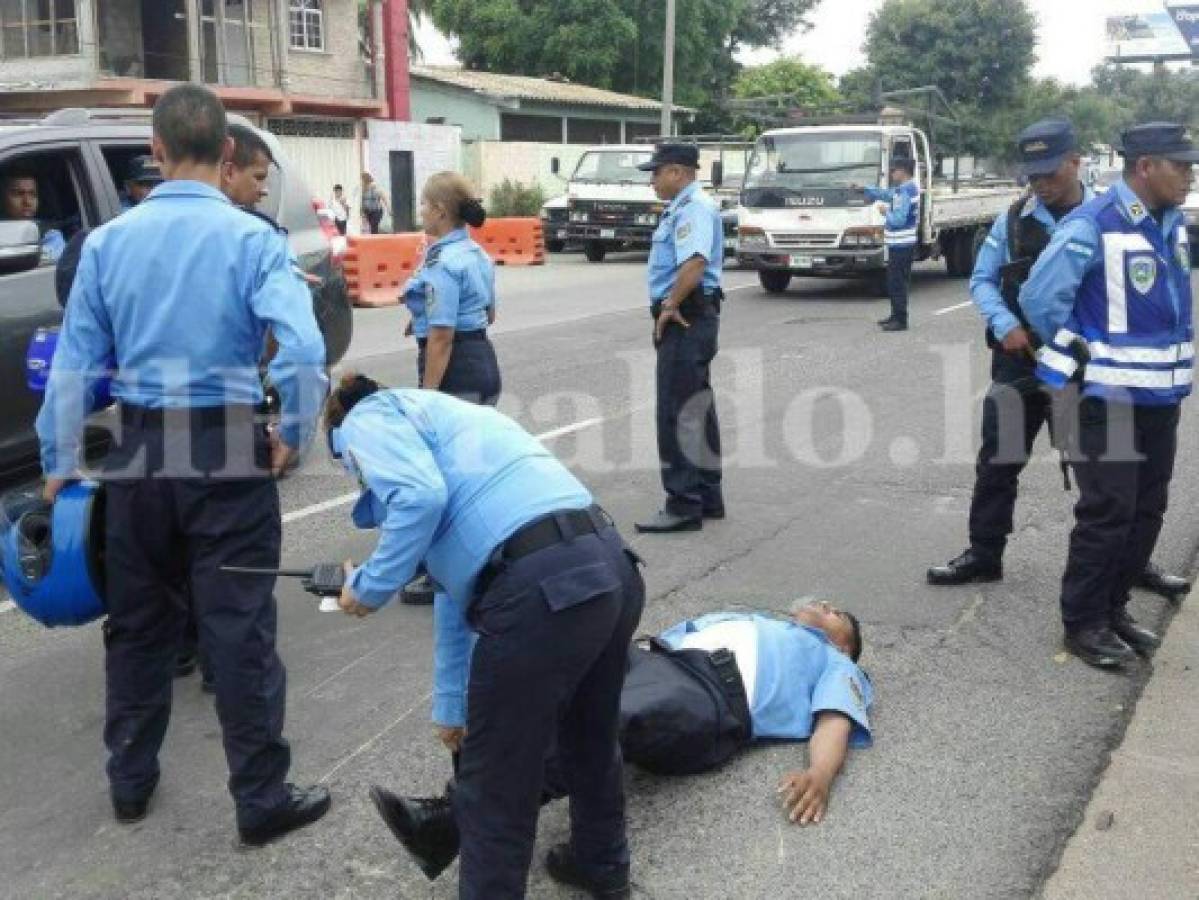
(971, 566)
(1172, 587)
(895, 326)
(666, 522)
(886, 321)
(425, 827)
(714, 512)
(418, 592)
(612, 884)
(1100, 647)
(1139, 638)
(303, 806)
(129, 812)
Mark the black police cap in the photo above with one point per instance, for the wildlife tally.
(143, 170)
(1165, 139)
(1044, 146)
(672, 155)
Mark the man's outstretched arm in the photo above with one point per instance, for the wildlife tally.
(805, 793)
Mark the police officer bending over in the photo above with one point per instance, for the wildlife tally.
(685, 296)
(181, 290)
(1116, 278)
(543, 580)
(1016, 406)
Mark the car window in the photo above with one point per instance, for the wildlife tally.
(120, 161)
(47, 188)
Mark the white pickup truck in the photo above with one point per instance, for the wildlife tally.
(804, 211)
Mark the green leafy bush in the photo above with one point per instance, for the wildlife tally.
(511, 198)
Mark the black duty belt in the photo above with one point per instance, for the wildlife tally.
(460, 337)
(547, 531)
(197, 416)
(697, 301)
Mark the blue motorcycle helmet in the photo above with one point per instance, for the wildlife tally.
(53, 556)
(40, 356)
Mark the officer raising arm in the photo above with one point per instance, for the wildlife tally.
(1116, 281)
(180, 290)
(684, 287)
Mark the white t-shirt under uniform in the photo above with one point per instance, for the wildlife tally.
(740, 639)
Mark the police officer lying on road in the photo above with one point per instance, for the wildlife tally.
(1116, 280)
(538, 580)
(775, 678)
(685, 267)
(181, 290)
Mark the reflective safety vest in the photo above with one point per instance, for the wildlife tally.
(1132, 313)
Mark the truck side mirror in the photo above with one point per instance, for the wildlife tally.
(717, 173)
(20, 246)
(555, 166)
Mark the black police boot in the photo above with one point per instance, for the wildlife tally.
(714, 512)
(1139, 638)
(425, 827)
(969, 567)
(130, 812)
(610, 884)
(1172, 587)
(886, 321)
(1100, 647)
(666, 522)
(418, 592)
(894, 326)
(303, 806)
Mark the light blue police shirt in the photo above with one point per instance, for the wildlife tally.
(986, 280)
(1049, 295)
(800, 674)
(182, 289)
(445, 482)
(690, 226)
(453, 288)
(902, 221)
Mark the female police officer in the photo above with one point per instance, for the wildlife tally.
(452, 296)
(543, 579)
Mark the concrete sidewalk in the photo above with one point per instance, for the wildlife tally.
(1140, 835)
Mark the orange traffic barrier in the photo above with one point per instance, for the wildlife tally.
(376, 265)
(512, 242)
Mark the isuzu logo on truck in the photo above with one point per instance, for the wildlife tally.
(805, 201)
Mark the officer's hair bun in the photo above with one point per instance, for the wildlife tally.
(350, 391)
(471, 212)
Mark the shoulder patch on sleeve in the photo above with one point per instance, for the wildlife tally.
(1080, 249)
(684, 231)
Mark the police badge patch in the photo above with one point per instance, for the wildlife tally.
(1183, 251)
(856, 690)
(430, 299)
(1142, 271)
(684, 231)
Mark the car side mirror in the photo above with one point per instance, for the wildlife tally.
(717, 173)
(555, 166)
(20, 246)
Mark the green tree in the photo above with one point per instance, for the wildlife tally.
(617, 44)
(978, 52)
(811, 85)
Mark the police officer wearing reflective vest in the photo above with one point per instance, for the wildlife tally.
(900, 204)
(1016, 407)
(1112, 295)
(541, 599)
(181, 290)
(685, 267)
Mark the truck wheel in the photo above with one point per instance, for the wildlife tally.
(595, 251)
(964, 251)
(773, 281)
(555, 246)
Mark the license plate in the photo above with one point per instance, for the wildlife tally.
(562, 233)
(608, 233)
(801, 262)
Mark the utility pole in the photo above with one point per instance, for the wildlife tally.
(667, 126)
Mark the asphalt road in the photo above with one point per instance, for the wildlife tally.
(849, 472)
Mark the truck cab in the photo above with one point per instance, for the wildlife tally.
(610, 203)
(804, 210)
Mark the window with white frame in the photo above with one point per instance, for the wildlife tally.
(30, 28)
(307, 25)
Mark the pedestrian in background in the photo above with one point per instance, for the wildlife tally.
(900, 204)
(341, 208)
(373, 205)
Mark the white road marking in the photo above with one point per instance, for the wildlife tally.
(742, 287)
(366, 746)
(347, 499)
(949, 309)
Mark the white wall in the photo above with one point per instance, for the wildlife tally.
(323, 162)
(488, 163)
(435, 148)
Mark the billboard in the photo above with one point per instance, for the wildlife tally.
(1160, 32)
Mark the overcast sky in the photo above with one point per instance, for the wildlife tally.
(1071, 36)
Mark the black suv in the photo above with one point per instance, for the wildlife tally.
(79, 157)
